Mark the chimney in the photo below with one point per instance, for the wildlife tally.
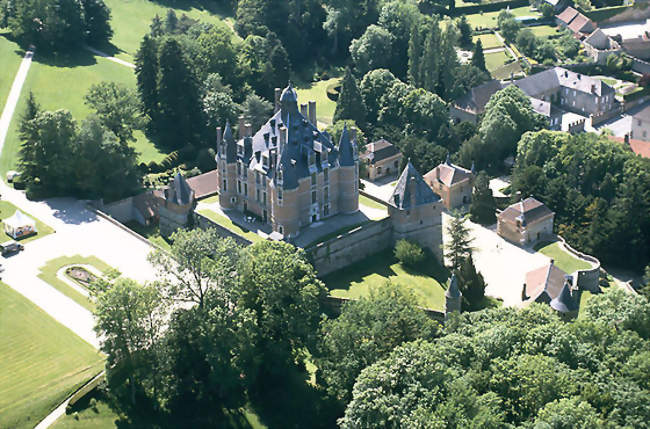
(353, 133)
(312, 113)
(412, 191)
(219, 136)
(283, 135)
(438, 173)
(626, 139)
(552, 261)
(304, 111)
(242, 131)
(278, 92)
(593, 88)
(248, 129)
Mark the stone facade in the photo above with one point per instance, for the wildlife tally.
(288, 174)
(453, 183)
(525, 222)
(177, 205)
(380, 159)
(453, 297)
(641, 125)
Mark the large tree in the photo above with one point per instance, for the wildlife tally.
(483, 207)
(478, 59)
(458, 248)
(118, 107)
(372, 50)
(146, 72)
(350, 103)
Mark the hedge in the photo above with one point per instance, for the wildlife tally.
(637, 94)
(489, 7)
(604, 13)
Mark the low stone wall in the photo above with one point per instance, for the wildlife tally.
(602, 117)
(204, 222)
(640, 66)
(372, 197)
(585, 279)
(351, 246)
(334, 305)
(121, 210)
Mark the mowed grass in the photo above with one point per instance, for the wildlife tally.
(489, 41)
(7, 209)
(151, 233)
(358, 279)
(544, 30)
(10, 58)
(489, 19)
(49, 270)
(41, 361)
(317, 91)
(229, 225)
(494, 60)
(131, 19)
(562, 259)
(365, 201)
(62, 84)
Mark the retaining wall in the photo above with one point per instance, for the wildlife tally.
(585, 279)
(351, 246)
(204, 223)
(640, 66)
(121, 210)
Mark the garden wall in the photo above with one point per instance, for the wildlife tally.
(351, 246)
(205, 223)
(585, 279)
(640, 66)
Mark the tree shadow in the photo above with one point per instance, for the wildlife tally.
(377, 263)
(79, 57)
(186, 5)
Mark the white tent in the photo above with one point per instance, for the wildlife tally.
(19, 225)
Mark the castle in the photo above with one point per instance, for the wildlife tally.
(288, 174)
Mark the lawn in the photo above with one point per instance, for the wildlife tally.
(210, 200)
(151, 233)
(356, 280)
(7, 209)
(562, 259)
(544, 30)
(489, 19)
(317, 91)
(230, 225)
(365, 201)
(130, 19)
(10, 58)
(494, 60)
(51, 267)
(73, 76)
(488, 41)
(42, 361)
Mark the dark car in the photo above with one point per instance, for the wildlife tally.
(10, 247)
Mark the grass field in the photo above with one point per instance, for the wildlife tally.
(41, 361)
(317, 91)
(7, 209)
(544, 30)
(365, 201)
(489, 41)
(62, 84)
(495, 60)
(230, 225)
(489, 19)
(10, 57)
(49, 270)
(356, 280)
(130, 19)
(562, 259)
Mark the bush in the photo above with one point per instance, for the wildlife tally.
(154, 167)
(19, 183)
(333, 90)
(172, 160)
(409, 253)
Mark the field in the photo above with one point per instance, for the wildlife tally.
(7, 209)
(62, 84)
(42, 361)
(562, 259)
(494, 60)
(544, 30)
(317, 91)
(10, 60)
(489, 41)
(49, 270)
(356, 280)
(365, 201)
(489, 19)
(230, 225)
(130, 20)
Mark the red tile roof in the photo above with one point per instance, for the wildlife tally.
(567, 15)
(204, 184)
(450, 174)
(545, 283)
(527, 211)
(639, 147)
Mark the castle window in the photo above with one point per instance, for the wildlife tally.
(280, 195)
(257, 195)
(326, 210)
(265, 160)
(281, 229)
(245, 189)
(326, 175)
(239, 168)
(257, 177)
(225, 185)
(311, 157)
(239, 186)
(280, 176)
(313, 197)
(313, 179)
(264, 198)
(326, 195)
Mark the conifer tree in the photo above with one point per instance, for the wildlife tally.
(478, 59)
(350, 104)
(32, 109)
(471, 283)
(459, 246)
(146, 71)
(483, 206)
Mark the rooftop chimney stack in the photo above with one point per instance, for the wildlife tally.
(283, 135)
(312, 113)
(304, 111)
(278, 93)
(248, 129)
(242, 131)
(219, 136)
(412, 188)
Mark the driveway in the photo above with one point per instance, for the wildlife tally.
(502, 264)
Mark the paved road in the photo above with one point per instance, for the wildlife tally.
(108, 57)
(14, 95)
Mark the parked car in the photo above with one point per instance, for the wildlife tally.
(10, 247)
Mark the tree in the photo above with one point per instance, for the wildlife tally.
(547, 10)
(32, 110)
(217, 54)
(508, 25)
(146, 71)
(198, 263)
(459, 246)
(465, 32)
(483, 207)
(279, 286)
(129, 325)
(156, 26)
(408, 253)
(367, 330)
(335, 130)
(568, 413)
(471, 284)
(350, 104)
(96, 17)
(257, 109)
(218, 109)
(399, 18)
(118, 107)
(373, 86)
(372, 50)
(478, 59)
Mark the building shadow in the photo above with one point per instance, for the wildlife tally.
(71, 211)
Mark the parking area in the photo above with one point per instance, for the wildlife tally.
(627, 30)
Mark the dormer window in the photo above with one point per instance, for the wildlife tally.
(240, 149)
(279, 176)
(265, 161)
(311, 157)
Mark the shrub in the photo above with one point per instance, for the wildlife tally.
(154, 167)
(409, 253)
(19, 183)
(333, 90)
(170, 161)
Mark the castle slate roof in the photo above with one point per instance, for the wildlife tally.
(551, 79)
(453, 291)
(179, 192)
(292, 157)
(379, 150)
(545, 283)
(475, 99)
(410, 180)
(347, 149)
(527, 211)
(231, 145)
(564, 302)
(643, 114)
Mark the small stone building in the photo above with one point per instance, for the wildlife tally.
(416, 211)
(453, 297)
(452, 182)
(525, 222)
(177, 205)
(550, 285)
(381, 159)
(641, 125)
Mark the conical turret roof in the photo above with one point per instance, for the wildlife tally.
(453, 291)
(564, 302)
(401, 197)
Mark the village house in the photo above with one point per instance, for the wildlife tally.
(453, 183)
(472, 104)
(600, 46)
(288, 174)
(380, 159)
(580, 25)
(641, 125)
(525, 222)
